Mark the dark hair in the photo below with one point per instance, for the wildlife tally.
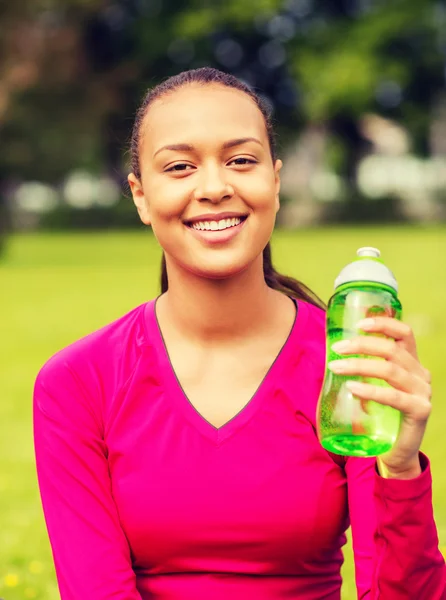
(203, 76)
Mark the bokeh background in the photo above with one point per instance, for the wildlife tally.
(357, 89)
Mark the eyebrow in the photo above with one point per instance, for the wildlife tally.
(226, 145)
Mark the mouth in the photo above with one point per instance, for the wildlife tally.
(217, 232)
(220, 225)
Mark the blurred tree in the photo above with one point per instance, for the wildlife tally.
(73, 71)
(371, 56)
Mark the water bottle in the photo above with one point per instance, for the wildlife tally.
(348, 425)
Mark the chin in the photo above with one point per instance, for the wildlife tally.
(218, 273)
(224, 268)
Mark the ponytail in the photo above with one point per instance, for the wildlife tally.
(287, 285)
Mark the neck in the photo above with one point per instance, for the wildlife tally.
(220, 311)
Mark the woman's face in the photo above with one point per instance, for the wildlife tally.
(205, 153)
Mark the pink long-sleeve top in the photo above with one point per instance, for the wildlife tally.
(144, 499)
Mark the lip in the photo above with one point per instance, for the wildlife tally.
(217, 237)
(215, 217)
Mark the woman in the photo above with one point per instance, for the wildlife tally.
(176, 447)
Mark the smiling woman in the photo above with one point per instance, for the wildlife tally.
(176, 447)
(230, 105)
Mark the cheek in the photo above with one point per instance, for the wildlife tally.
(259, 192)
(264, 211)
(167, 200)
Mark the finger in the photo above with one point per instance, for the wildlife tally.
(384, 348)
(388, 371)
(417, 407)
(399, 331)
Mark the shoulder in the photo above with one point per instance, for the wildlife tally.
(306, 364)
(311, 324)
(97, 354)
(315, 316)
(306, 347)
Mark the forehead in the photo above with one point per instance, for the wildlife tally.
(200, 113)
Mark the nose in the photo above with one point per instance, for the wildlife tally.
(212, 185)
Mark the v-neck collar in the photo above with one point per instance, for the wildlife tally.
(181, 402)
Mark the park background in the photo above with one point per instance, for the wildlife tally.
(357, 89)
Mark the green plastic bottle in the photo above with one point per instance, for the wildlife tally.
(346, 425)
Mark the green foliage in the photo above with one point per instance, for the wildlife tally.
(339, 64)
(197, 20)
(194, 25)
(61, 287)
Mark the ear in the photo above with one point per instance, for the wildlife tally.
(139, 198)
(277, 166)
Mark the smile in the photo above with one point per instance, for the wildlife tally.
(217, 232)
(216, 225)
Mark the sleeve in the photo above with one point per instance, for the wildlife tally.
(91, 553)
(395, 542)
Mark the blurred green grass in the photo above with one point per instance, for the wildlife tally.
(56, 288)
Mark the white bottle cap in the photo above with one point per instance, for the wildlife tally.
(367, 267)
(369, 251)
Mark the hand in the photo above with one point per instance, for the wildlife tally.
(410, 390)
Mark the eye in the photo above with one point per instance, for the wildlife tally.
(242, 161)
(178, 168)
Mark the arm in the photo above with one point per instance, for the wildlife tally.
(395, 541)
(91, 553)
(407, 563)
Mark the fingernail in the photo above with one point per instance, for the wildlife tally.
(342, 346)
(366, 324)
(354, 386)
(337, 366)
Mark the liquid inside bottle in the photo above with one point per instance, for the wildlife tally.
(346, 424)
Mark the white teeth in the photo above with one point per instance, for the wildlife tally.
(216, 225)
